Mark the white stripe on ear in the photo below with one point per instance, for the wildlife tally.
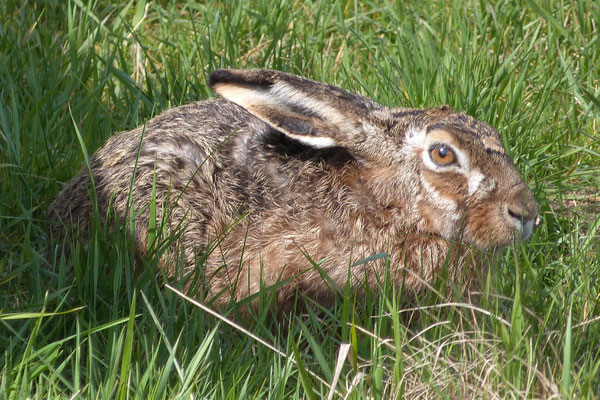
(241, 95)
(318, 142)
(289, 101)
(290, 95)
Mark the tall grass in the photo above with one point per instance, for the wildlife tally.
(73, 73)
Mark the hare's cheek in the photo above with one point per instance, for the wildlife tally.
(444, 222)
(439, 206)
(444, 191)
(486, 227)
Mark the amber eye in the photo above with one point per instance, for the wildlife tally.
(442, 155)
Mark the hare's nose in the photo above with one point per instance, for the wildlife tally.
(516, 214)
(522, 209)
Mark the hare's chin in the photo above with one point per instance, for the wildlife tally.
(523, 229)
(527, 230)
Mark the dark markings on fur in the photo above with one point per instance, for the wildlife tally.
(224, 75)
(407, 113)
(210, 163)
(281, 146)
(178, 162)
(496, 152)
(470, 130)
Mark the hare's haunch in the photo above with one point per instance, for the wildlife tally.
(284, 167)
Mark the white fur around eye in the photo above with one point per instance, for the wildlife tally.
(433, 166)
(462, 165)
(474, 179)
(415, 138)
(462, 161)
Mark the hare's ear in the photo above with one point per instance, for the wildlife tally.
(314, 113)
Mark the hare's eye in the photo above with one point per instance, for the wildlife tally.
(442, 155)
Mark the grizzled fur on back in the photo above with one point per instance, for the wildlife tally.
(285, 167)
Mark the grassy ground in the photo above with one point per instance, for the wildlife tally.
(73, 66)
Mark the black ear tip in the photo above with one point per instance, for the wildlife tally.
(220, 76)
(250, 77)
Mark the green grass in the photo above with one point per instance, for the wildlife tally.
(73, 66)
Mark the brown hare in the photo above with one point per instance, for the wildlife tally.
(284, 168)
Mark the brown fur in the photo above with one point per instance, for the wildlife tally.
(363, 193)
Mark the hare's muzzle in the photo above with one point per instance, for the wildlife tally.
(521, 209)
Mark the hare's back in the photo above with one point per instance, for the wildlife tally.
(173, 158)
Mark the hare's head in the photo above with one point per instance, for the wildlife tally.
(467, 180)
(448, 172)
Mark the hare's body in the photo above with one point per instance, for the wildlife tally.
(295, 168)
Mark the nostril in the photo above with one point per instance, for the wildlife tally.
(521, 205)
(515, 214)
